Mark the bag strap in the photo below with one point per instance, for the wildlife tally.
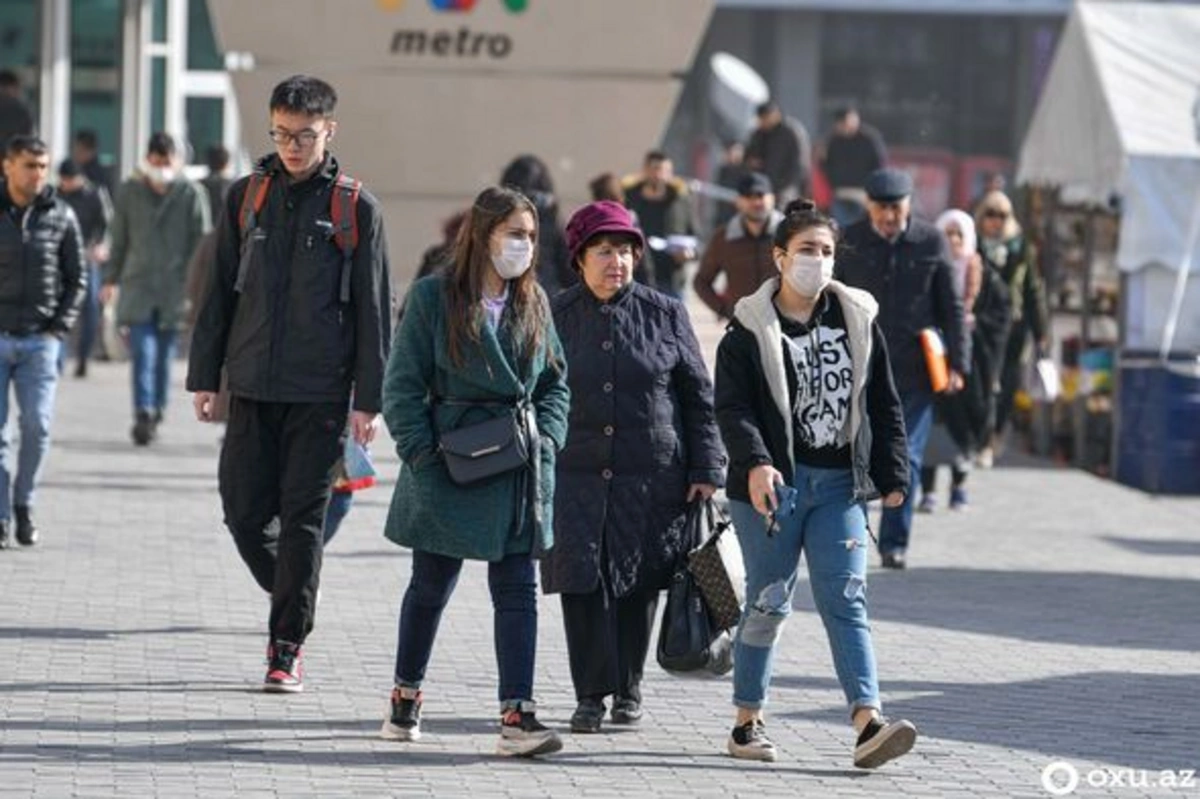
(253, 199)
(343, 213)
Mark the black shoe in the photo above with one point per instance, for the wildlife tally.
(882, 740)
(81, 369)
(626, 711)
(588, 715)
(27, 532)
(894, 560)
(403, 722)
(522, 735)
(6, 541)
(750, 742)
(143, 429)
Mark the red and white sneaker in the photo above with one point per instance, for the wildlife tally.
(284, 673)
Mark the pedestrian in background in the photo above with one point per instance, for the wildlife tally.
(475, 344)
(729, 175)
(85, 152)
(903, 263)
(42, 280)
(93, 210)
(963, 421)
(642, 443)
(529, 175)
(15, 117)
(741, 249)
(661, 206)
(216, 183)
(1006, 249)
(781, 149)
(814, 430)
(853, 151)
(300, 319)
(159, 217)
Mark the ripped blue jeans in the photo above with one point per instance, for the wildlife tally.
(825, 517)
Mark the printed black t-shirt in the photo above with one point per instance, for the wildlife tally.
(820, 375)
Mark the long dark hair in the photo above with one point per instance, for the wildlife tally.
(528, 307)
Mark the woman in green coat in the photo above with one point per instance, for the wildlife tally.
(471, 344)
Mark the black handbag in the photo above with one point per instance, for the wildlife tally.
(689, 641)
(479, 451)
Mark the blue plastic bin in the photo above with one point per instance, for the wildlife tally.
(1158, 440)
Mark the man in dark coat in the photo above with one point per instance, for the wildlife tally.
(903, 262)
(781, 149)
(660, 204)
(15, 117)
(295, 349)
(93, 209)
(41, 282)
(853, 152)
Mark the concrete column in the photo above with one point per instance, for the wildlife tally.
(55, 115)
(135, 83)
(795, 76)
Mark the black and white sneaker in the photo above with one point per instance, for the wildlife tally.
(750, 742)
(522, 735)
(403, 722)
(882, 740)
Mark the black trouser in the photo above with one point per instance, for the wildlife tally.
(607, 641)
(278, 460)
(1010, 378)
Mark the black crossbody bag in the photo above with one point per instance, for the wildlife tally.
(487, 449)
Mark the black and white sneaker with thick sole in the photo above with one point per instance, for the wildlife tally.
(403, 721)
(522, 735)
(882, 740)
(750, 742)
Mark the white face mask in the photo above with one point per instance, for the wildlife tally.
(515, 258)
(808, 274)
(162, 175)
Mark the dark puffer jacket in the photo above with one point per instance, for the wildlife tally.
(641, 431)
(41, 265)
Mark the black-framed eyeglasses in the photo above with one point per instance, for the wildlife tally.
(305, 138)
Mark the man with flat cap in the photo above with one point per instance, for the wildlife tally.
(741, 249)
(903, 262)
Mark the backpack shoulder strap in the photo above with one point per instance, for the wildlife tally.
(253, 199)
(343, 212)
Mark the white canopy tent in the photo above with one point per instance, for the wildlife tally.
(1120, 117)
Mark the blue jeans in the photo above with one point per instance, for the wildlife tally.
(514, 604)
(152, 350)
(89, 314)
(896, 524)
(30, 364)
(335, 512)
(825, 517)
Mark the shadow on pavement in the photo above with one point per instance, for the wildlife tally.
(1068, 608)
(1141, 721)
(84, 634)
(1161, 546)
(160, 686)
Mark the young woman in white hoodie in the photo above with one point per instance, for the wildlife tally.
(814, 429)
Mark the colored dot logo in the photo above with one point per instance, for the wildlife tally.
(455, 6)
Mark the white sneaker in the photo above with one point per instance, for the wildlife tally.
(750, 742)
(522, 735)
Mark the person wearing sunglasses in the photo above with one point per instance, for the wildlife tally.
(814, 429)
(1006, 250)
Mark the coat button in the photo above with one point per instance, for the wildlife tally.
(608, 430)
(606, 346)
(606, 474)
(608, 388)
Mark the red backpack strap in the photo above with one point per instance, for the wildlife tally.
(253, 200)
(343, 212)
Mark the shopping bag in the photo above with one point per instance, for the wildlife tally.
(717, 565)
(355, 470)
(1045, 384)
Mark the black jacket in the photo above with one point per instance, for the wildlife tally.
(850, 159)
(93, 210)
(970, 413)
(286, 337)
(641, 430)
(42, 279)
(754, 404)
(913, 282)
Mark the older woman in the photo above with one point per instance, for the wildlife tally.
(642, 442)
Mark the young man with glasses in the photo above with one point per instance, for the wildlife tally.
(301, 322)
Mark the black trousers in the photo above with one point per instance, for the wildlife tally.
(607, 642)
(278, 460)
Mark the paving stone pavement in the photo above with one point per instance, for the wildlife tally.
(1054, 621)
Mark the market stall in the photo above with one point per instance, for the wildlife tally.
(1114, 148)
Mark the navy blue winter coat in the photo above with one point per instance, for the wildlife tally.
(641, 430)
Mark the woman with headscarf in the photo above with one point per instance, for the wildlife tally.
(963, 421)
